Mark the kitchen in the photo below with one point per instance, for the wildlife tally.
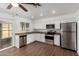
(36, 30)
(39, 33)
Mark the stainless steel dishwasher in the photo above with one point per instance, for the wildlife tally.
(23, 40)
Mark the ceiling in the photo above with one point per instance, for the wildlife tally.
(42, 12)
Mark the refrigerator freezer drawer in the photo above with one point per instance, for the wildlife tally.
(68, 40)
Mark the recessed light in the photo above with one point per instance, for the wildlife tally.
(41, 14)
(32, 16)
(53, 11)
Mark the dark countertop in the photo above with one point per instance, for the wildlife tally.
(26, 33)
(57, 34)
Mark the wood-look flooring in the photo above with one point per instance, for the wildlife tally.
(38, 49)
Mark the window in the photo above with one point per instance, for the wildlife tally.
(5, 30)
(24, 26)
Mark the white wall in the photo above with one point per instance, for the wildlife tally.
(41, 23)
(5, 17)
(77, 19)
(78, 36)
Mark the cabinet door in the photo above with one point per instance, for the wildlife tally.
(36, 37)
(39, 37)
(57, 40)
(30, 38)
(16, 41)
(42, 37)
(57, 37)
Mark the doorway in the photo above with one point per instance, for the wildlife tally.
(5, 35)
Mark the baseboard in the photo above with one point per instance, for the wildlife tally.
(42, 42)
(6, 48)
(34, 41)
(56, 45)
(30, 42)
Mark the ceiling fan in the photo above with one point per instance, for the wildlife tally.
(22, 7)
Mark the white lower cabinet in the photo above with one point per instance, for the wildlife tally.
(35, 37)
(20, 40)
(30, 38)
(39, 37)
(57, 37)
(57, 40)
(16, 41)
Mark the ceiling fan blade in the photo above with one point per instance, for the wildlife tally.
(38, 4)
(9, 6)
(34, 4)
(23, 8)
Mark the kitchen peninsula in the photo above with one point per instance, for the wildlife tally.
(24, 38)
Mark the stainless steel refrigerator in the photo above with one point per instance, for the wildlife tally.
(69, 35)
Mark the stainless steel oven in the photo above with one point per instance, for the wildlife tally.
(50, 33)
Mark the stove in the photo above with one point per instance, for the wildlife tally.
(50, 35)
(50, 32)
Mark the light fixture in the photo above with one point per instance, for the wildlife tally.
(14, 4)
(53, 11)
(41, 14)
